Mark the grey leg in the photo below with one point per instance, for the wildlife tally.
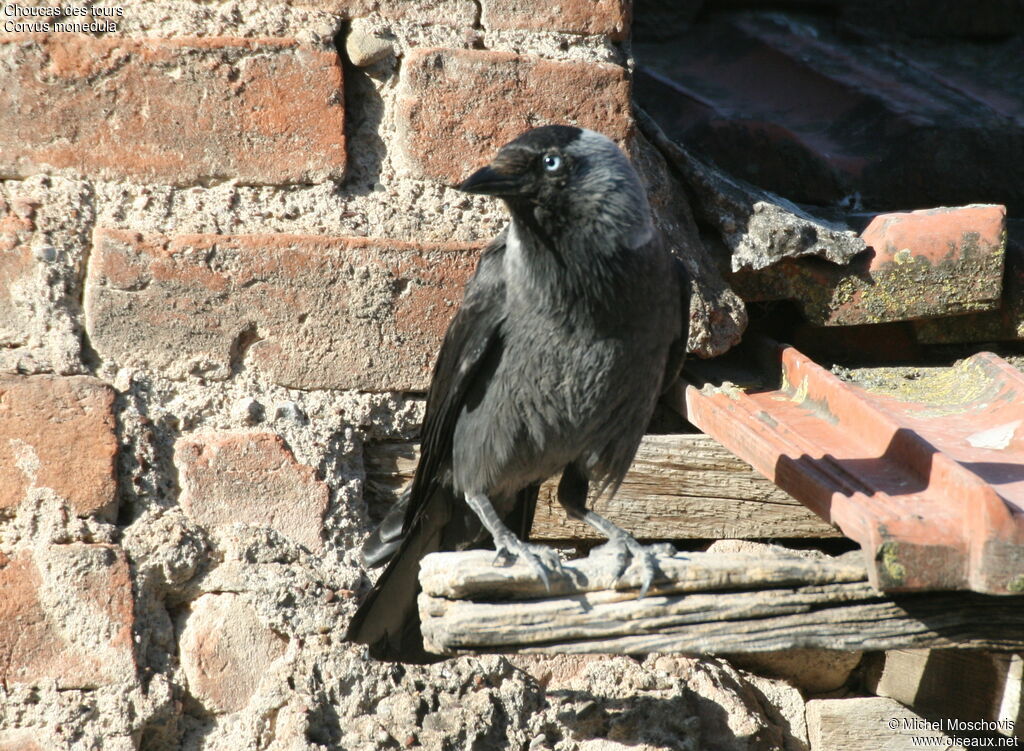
(542, 559)
(572, 494)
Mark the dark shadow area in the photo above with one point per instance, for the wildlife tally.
(851, 108)
(364, 111)
(980, 679)
(635, 721)
(882, 105)
(688, 720)
(997, 473)
(751, 364)
(667, 421)
(388, 468)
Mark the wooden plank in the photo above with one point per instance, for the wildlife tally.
(471, 575)
(707, 603)
(872, 724)
(968, 685)
(679, 487)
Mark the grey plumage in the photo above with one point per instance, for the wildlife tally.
(574, 323)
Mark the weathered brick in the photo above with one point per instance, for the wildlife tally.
(66, 615)
(226, 651)
(58, 432)
(609, 17)
(312, 312)
(459, 106)
(923, 264)
(171, 110)
(252, 478)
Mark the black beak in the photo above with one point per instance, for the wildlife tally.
(490, 182)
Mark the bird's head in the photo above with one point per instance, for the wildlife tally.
(565, 179)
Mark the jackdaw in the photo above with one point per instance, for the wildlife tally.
(572, 326)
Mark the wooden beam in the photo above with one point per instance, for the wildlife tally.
(679, 487)
(708, 603)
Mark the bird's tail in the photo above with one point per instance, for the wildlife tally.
(388, 621)
(383, 542)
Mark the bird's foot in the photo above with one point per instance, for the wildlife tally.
(543, 560)
(628, 553)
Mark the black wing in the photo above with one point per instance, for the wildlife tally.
(388, 620)
(474, 332)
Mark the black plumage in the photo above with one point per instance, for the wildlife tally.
(572, 325)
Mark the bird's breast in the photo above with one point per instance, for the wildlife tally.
(562, 388)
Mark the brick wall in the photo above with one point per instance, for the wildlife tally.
(229, 247)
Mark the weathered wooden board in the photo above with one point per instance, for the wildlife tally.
(471, 575)
(707, 603)
(679, 487)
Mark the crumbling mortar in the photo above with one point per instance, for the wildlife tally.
(90, 358)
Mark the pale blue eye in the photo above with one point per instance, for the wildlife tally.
(552, 162)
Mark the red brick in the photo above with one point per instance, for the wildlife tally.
(57, 432)
(609, 17)
(66, 615)
(327, 312)
(252, 478)
(226, 651)
(820, 116)
(459, 106)
(927, 263)
(173, 110)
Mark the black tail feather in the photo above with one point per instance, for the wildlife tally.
(388, 620)
(382, 543)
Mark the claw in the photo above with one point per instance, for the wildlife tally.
(511, 548)
(508, 546)
(619, 552)
(629, 553)
(649, 567)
